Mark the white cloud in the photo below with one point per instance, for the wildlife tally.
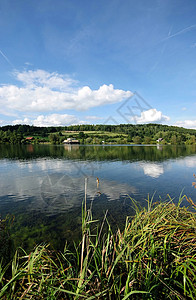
(41, 78)
(42, 91)
(151, 116)
(93, 118)
(191, 124)
(56, 120)
(50, 120)
(24, 121)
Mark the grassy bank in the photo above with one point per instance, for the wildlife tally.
(154, 257)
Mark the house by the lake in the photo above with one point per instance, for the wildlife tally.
(71, 141)
(30, 138)
(159, 140)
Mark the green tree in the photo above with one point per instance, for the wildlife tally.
(137, 139)
(81, 135)
(192, 140)
(147, 140)
(173, 140)
(54, 138)
(89, 140)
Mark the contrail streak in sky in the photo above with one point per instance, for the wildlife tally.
(4, 56)
(179, 32)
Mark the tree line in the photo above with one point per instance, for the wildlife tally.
(97, 134)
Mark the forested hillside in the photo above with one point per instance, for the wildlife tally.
(97, 134)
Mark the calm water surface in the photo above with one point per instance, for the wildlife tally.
(43, 185)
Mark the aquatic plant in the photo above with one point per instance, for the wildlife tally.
(154, 257)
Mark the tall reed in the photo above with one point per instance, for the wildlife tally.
(154, 257)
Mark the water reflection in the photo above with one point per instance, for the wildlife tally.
(159, 147)
(43, 185)
(189, 161)
(153, 170)
(58, 192)
(97, 153)
(51, 178)
(71, 148)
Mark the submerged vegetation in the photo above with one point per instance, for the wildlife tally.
(154, 257)
(97, 134)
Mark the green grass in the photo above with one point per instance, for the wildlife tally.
(154, 257)
(91, 133)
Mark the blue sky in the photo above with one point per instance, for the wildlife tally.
(75, 62)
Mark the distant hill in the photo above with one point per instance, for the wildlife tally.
(96, 134)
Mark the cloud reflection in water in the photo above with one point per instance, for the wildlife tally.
(153, 170)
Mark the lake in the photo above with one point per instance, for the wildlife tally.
(42, 186)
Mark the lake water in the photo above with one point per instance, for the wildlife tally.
(43, 185)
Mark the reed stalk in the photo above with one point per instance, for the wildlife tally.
(154, 257)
